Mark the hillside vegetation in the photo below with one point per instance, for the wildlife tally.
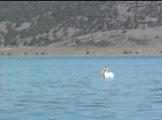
(80, 23)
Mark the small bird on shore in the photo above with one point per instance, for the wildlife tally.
(107, 74)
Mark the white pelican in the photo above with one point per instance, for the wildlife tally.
(107, 74)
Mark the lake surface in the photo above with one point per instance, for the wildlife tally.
(71, 88)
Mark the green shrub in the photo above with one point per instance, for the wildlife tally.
(124, 31)
(25, 53)
(2, 53)
(156, 37)
(125, 52)
(87, 52)
(9, 54)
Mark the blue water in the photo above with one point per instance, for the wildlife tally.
(71, 88)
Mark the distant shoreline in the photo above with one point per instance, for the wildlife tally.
(76, 52)
(81, 55)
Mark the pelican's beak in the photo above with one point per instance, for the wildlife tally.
(102, 71)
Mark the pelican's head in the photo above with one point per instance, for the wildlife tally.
(106, 69)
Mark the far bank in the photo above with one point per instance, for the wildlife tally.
(78, 51)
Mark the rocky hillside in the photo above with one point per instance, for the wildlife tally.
(79, 23)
